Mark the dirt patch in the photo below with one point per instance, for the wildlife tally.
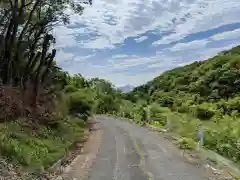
(7, 171)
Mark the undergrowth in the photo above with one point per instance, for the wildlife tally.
(36, 150)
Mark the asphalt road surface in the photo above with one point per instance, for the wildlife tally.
(131, 152)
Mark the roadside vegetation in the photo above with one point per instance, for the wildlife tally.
(203, 93)
(39, 116)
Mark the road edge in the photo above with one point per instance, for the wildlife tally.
(80, 165)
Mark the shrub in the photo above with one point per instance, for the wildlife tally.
(186, 143)
(107, 104)
(162, 98)
(156, 114)
(183, 108)
(71, 88)
(230, 105)
(82, 103)
(203, 113)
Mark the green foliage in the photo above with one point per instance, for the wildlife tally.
(39, 149)
(225, 138)
(186, 143)
(162, 98)
(81, 102)
(71, 88)
(203, 113)
(127, 109)
(156, 115)
(230, 105)
(107, 104)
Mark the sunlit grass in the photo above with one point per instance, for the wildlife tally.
(38, 149)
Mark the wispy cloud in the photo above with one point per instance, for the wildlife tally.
(134, 17)
(193, 45)
(119, 56)
(227, 35)
(64, 56)
(140, 39)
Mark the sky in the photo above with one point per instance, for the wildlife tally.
(133, 41)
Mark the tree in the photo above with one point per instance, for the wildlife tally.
(26, 38)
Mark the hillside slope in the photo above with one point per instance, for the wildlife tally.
(213, 80)
(205, 92)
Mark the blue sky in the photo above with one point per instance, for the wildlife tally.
(133, 41)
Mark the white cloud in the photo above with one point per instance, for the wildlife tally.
(190, 45)
(66, 37)
(132, 62)
(114, 21)
(99, 43)
(120, 56)
(83, 58)
(116, 78)
(184, 64)
(134, 80)
(204, 54)
(227, 35)
(202, 16)
(140, 39)
(63, 56)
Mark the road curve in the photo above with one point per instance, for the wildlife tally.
(130, 152)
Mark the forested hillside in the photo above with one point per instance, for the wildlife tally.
(205, 92)
(215, 81)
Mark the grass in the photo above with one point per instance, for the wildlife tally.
(220, 138)
(37, 150)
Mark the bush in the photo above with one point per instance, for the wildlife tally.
(162, 98)
(203, 113)
(186, 143)
(82, 103)
(183, 109)
(107, 104)
(230, 105)
(71, 88)
(156, 114)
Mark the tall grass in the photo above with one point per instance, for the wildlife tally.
(220, 135)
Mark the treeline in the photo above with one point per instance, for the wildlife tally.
(93, 96)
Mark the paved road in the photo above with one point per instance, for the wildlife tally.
(130, 152)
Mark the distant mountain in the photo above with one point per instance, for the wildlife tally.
(126, 88)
